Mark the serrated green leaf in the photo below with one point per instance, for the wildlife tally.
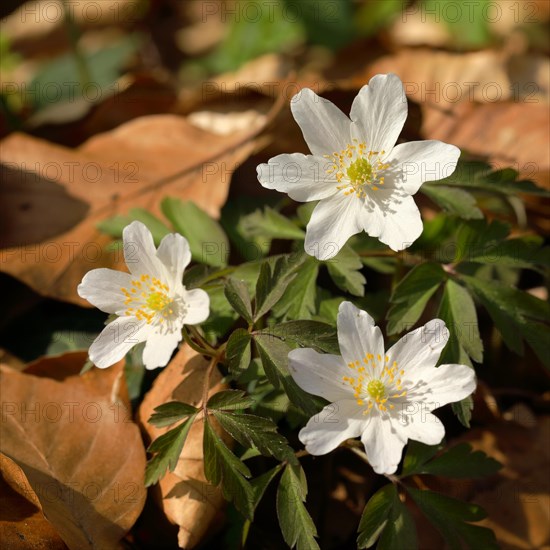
(480, 176)
(516, 315)
(461, 461)
(169, 413)
(207, 240)
(261, 483)
(222, 316)
(270, 224)
(411, 295)
(237, 295)
(417, 455)
(345, 271)
(451, 517)
(233, 400)
(453, 200)
(308, 334)
(458, 310)
(272, 282)
(274, 355)
(221, 466)
(167, 449)
(255, 431)
(296, 524)
(400, 531)
(238, 351)
(298, 300)
(375, 516)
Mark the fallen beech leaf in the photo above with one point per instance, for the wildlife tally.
(22, 524)
(187, 499)
(53, 197)
(75, 443)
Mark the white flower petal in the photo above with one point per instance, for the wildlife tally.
(139, 251)
(159, 349)
(420, 348)
(320, 373)
(379, 112)
(383, 443)
(357, 334)
(175, 254)
(326, 129)
(333, 425)
(303, 177)
(417, 423)
(332, 223)
(394, 220)
(439, 386)
(101, 287)
(198, 306)
(419, 161)
(116, 339)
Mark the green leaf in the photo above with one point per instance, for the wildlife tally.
(345, 270)
(479, 176)
(296, 524)
(238, 351)
(461, 461)
(411, 295)
(237, 295)
(516, 315)
(255, 431)
(261, 483)
(222, 316)
(451, 517)
(207, 240)
(169, 413)
(274, 355)
(458, 310)
(272, 282)
(221, 466)
(298, 301)
(376, 515)
(452, 200)
(417, 455)
(400, 531)
(167, 449)
(233, 400)
(320, 336)
(115, 226)
(270, 224)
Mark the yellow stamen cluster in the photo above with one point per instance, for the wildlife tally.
(148, 296)
(355, 175)
(373, 380)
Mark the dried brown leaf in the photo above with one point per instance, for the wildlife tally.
(77, 446)
(53, 197)
(185, 496)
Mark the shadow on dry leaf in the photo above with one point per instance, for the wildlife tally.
(73, 438)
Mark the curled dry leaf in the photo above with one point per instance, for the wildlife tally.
(185, 496)
(73, 438)
(52, 197)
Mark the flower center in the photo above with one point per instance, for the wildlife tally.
(377, 382)
(149, 299)
(376, 389)
(357, 169)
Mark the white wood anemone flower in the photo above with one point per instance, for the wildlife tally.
(385, 398)
(151, 302)
(362, 180)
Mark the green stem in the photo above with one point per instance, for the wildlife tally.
(192, 345)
